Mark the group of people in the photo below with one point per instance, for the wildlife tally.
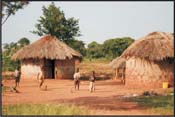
(91, 79)
(76, 77)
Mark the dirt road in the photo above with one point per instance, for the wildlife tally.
(106, 100)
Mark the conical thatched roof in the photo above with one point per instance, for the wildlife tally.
(154, 46)
(48, 47)
(119, 62)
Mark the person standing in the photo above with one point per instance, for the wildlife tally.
(17, 77)
(40, 77)
(77, 79)
(92, 82)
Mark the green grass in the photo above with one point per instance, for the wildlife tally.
(43, 109)
(163, 105)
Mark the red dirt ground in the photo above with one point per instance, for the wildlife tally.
(106, 100)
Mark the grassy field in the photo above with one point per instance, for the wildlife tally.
(163, 105)
(101, 67)
(43, 109)
(100, 60)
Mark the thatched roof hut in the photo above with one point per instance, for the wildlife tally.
(149, 60)
(154, 46)
(119, 62)
(57, 58)
(48, 47)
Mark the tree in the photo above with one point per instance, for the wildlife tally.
(110, 49)
(10, 8)
(115, 47)
(9, 50)
(94, 50)
(23, 41)
(54, 22)
(78, 46)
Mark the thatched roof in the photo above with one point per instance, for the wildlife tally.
(119, 62)
(154, 46)
(48, 47)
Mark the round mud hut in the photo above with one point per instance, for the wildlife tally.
(52, 57)
(149, 61)
(119, 65)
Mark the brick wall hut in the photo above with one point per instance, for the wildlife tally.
(149, 61)
(58, 59)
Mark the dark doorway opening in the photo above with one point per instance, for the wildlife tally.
(49, 69)
(53, 69)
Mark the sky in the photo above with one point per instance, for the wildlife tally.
(98, 21)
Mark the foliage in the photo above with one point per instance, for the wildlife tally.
(78, 45)
(157, 104)
(43, 109)
(113, 48)
(10, 8)
(54, 22)
(110, 49)
(23, 41)
(94, 50)
(9, 50)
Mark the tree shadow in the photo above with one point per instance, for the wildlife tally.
(107, 103)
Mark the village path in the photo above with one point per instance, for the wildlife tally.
(106, 100)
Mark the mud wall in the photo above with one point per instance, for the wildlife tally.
(30, 68)
(144, 73)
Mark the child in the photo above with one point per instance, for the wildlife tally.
(40, 77)
(77, 79)
(17, 77)
(92, 82)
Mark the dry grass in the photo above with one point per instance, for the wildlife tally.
(101, 68)
(48, 47)
(154, 46)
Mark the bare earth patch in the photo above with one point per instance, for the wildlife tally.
(106, 100)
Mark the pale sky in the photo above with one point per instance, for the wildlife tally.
(98, 21)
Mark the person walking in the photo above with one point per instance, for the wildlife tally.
(17, 75)
(92, 82)
(77, 79)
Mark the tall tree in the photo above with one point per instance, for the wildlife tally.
(10, 8)
(55, 23)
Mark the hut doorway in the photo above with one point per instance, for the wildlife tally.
(49, 69)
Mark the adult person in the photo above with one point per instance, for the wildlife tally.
(77, 79)
(92, 82)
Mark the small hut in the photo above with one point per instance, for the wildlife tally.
(119, 65)
(149, 61)
(57, 59)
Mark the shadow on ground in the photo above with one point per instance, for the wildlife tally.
(106, 103)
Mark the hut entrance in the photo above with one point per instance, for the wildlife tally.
(49, 69)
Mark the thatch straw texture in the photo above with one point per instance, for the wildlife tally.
(154, 46)
(48, 47)
(119, 62)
